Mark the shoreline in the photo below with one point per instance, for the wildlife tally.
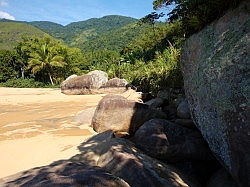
(38, 126)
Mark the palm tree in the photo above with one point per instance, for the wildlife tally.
(45, 58)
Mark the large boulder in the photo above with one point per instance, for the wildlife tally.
(121, 158)
(167, 141)
(125, 161)
(121, 115)
(99, 78)
(115, 82)
(62, 174)
(216, 70)
(85, 84)
(114, 86)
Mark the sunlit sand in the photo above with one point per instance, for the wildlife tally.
(39, 126)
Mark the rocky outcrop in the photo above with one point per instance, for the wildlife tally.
(85, 84)
(121, 115)
(95, 82)
(121, 158)
(216, 69)
(114, 83)
(170, 142)
(125, 161)
(64, 173)
(114, 86)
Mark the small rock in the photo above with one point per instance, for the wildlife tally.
(185, 123)
(155, 103)
(183, 110)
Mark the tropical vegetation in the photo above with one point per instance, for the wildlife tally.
(145, 52)
(195, 14)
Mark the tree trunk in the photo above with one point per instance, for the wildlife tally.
(22, 72)
(50, 78)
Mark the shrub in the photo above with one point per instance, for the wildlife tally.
(25, 83)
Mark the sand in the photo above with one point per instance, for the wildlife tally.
(39, 126)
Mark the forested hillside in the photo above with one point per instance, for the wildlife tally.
(109, 32)
(54, 29)
(114, 39)
(77, 33)
(11, 33)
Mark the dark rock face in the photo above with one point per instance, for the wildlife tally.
(183, 110)
(221, 178)
(124, 160)
(185, 123)
(122, 116)
(170, 142)
(65, 173)
(216, 69)
(155, 103)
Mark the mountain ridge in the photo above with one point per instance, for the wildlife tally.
(77, 34)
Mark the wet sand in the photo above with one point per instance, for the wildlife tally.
(39, 126)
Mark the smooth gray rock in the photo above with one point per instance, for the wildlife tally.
(122, 116)
(85, 84)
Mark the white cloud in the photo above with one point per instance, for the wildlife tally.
(3, 3)
(6, 15)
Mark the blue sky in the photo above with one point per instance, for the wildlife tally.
(67, 11)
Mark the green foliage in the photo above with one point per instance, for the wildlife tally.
(46, 56)
(48, 60)
(162, 72)
(141, 54)
(9, 65)
(144, 47)
(12, 32)
(53, 29)
(78, 33)
(151, 18)
(94, 32)
(195, 14)
(114, 39)
(23, 83)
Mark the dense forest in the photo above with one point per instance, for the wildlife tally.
(145, 52)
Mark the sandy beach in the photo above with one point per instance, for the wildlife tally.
(41, 125)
